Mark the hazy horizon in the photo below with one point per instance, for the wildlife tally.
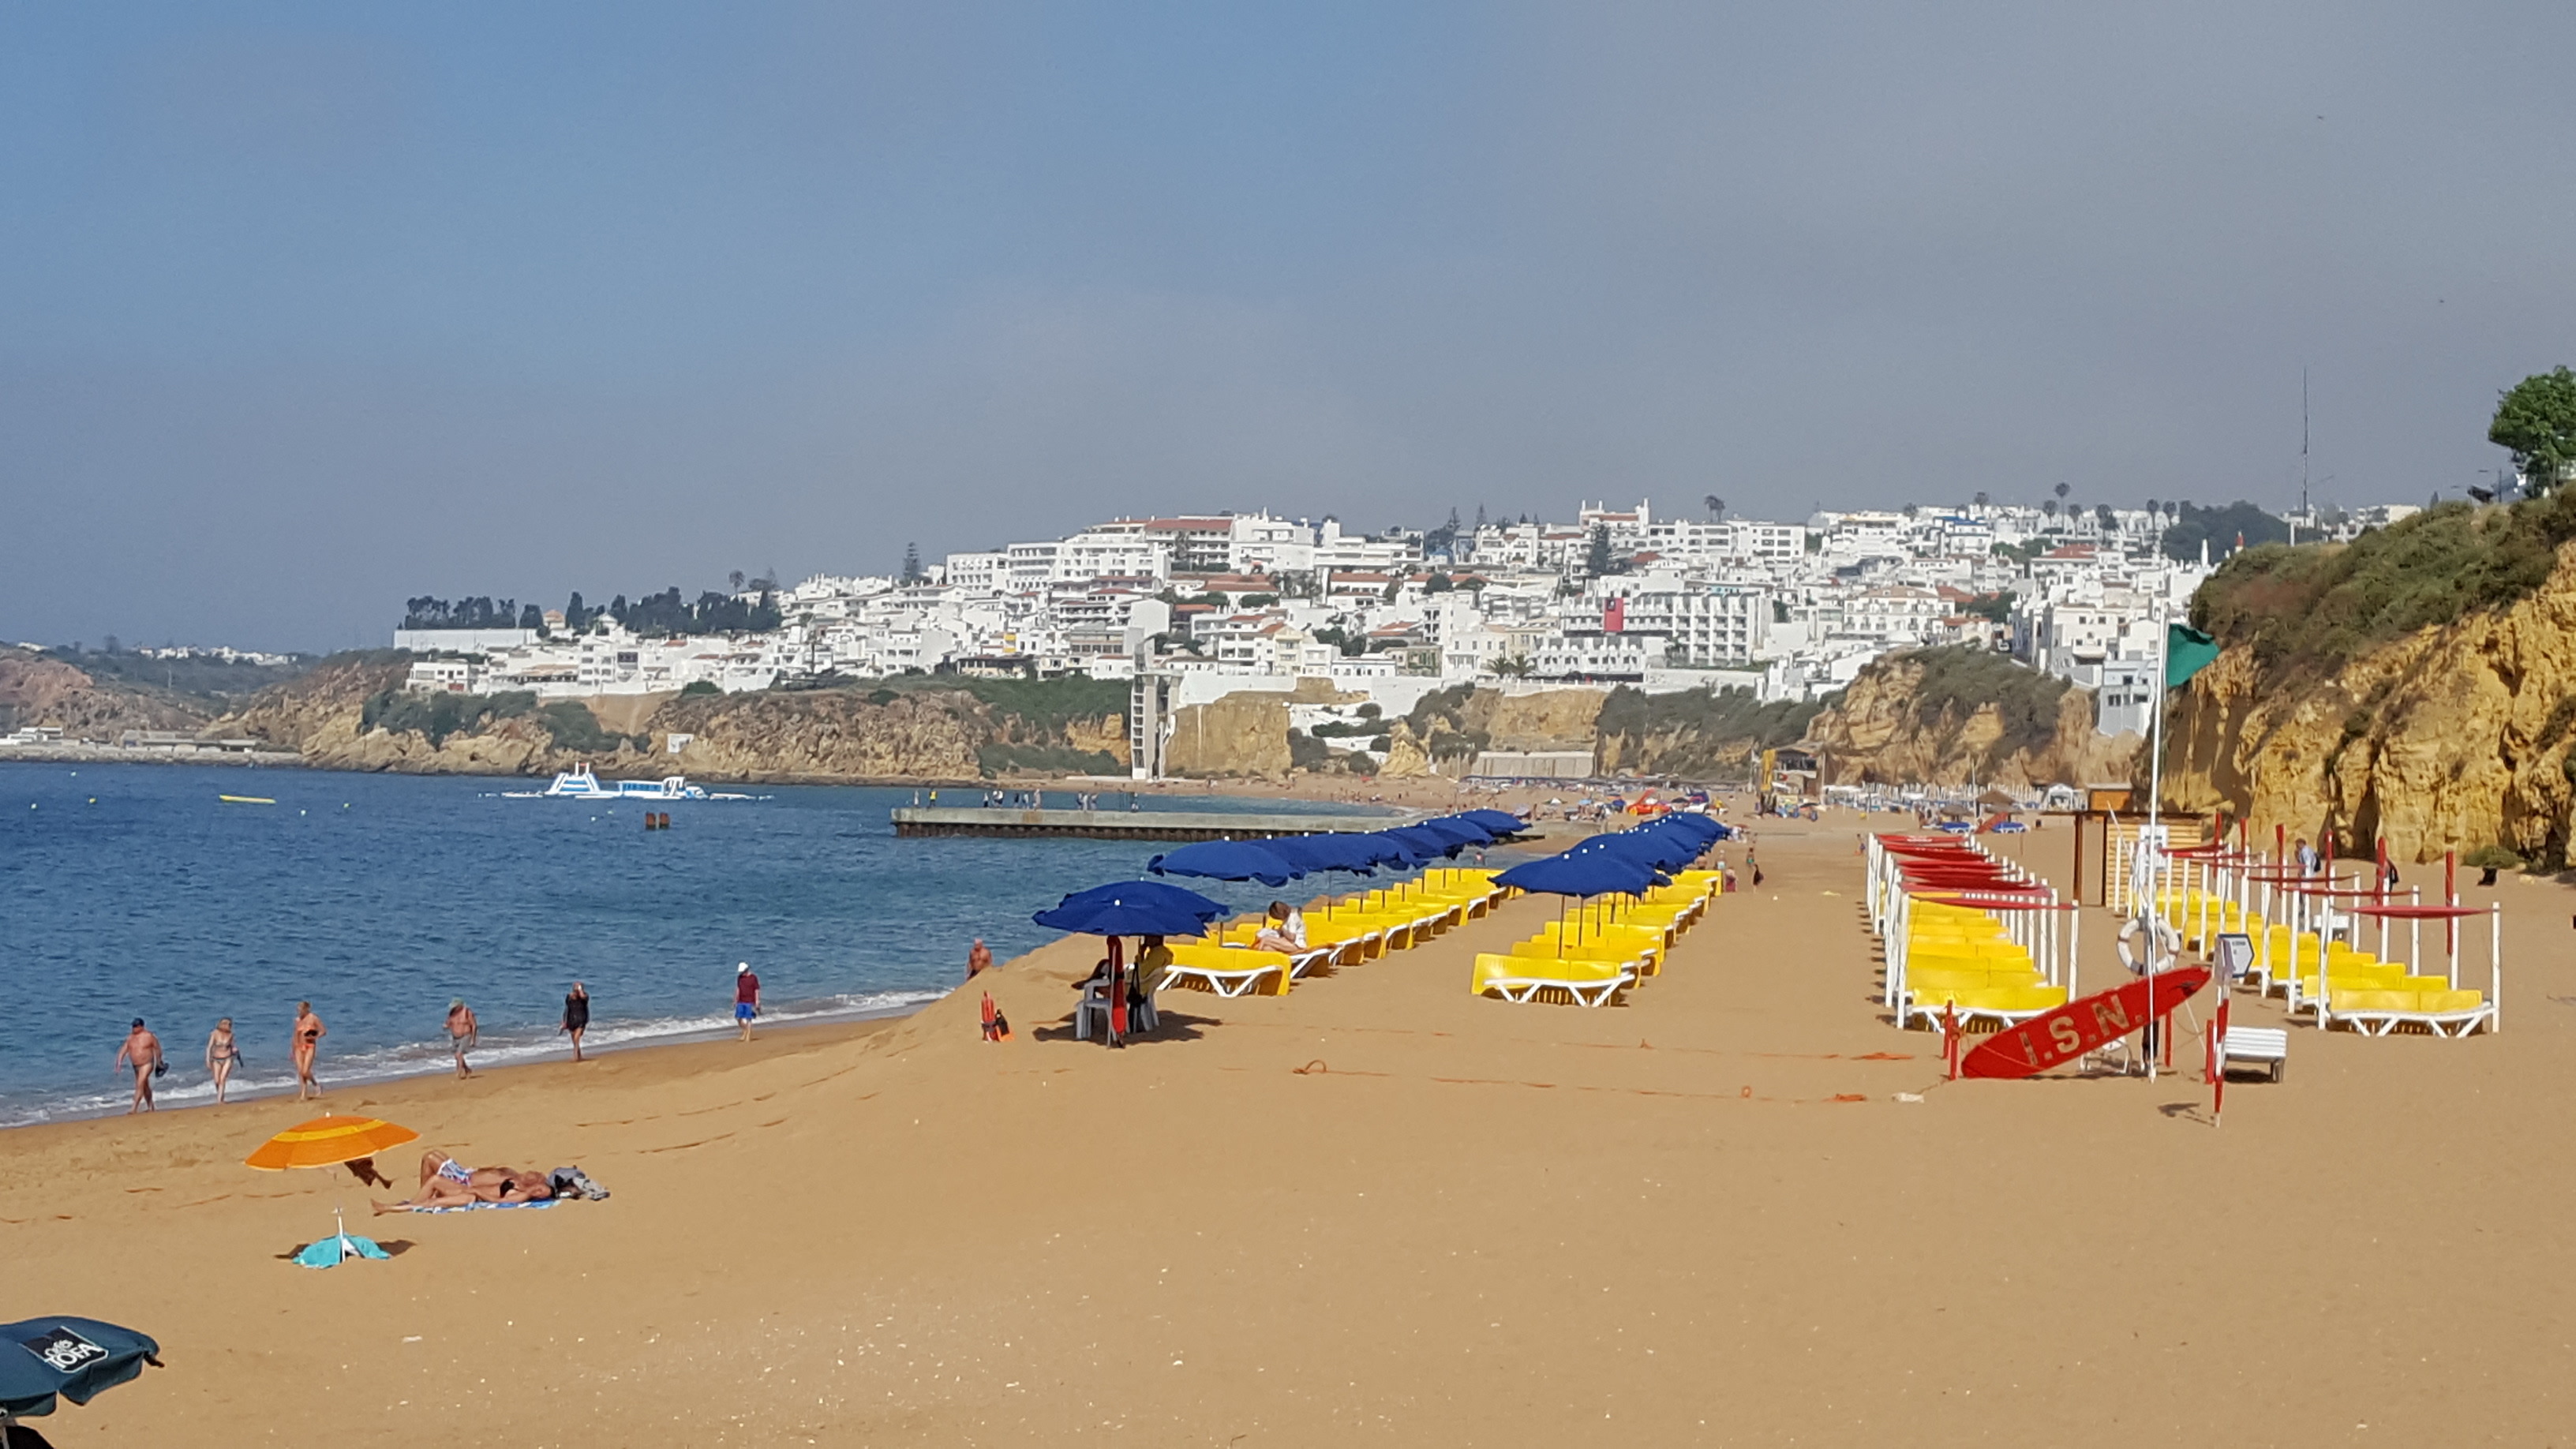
(305, 313)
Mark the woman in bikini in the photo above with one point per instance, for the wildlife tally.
(222, 1055)
(309, 1032)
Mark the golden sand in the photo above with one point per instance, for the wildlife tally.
(1379, 1210)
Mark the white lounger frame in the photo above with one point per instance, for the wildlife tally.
(1586, 991)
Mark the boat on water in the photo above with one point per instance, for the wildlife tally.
(581, 783)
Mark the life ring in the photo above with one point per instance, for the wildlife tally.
(2153, 948)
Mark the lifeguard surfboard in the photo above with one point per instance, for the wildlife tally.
(2080, 1026)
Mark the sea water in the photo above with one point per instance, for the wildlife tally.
(135, 890)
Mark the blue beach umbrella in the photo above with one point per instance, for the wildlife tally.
(1456, 830)
(1226, 860)
(1498, 822)
(1121, 910)
(1579, 874)
(1420, 844)
(1153, 892)
(69, 1358)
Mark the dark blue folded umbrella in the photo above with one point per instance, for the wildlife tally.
(1112, 911)
(75, 1358)
(1226, 860)
(1153, 892)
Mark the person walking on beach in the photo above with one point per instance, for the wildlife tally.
(979, 959)
(460, 1034)
(222, 1055)
(746, 997)
(309, 1032)
(142, 1052)
(576, 1018)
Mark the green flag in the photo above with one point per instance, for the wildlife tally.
(2187, 652)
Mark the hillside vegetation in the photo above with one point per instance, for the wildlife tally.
(2307, 610)
(1697, 733)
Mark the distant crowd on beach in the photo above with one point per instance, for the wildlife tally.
(143, 1054)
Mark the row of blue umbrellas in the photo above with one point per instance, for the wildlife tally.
(1156, 908)
(1277, 861)
(1623, 862)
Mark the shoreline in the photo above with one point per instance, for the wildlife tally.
(662, 1057)
(439, 1066)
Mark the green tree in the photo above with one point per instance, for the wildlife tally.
(1716, 507)
(2536, 422)
(1596, 557)
(2221, 527)
(913, 573)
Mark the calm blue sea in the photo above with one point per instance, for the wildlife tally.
(132, 890)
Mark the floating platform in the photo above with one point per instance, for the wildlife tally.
(1127, 824)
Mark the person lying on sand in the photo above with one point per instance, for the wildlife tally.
(446, 1182)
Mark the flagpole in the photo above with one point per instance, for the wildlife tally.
(2156, 746)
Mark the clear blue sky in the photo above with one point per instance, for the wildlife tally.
(306, 309)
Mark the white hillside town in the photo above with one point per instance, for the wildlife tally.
(1194, 608)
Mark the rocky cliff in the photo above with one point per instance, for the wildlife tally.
(2444, 735)
(349, 714)
(43, 689)
(1954, 716)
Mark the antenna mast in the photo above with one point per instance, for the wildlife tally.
(2301, 442)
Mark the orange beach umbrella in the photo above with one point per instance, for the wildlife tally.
(328, 1142)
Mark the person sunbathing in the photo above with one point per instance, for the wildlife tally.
(446, 1183)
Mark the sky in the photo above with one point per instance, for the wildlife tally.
(307, 309)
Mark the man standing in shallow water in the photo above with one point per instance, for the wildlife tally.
(142, 1050)
(460, 1034)
(746, 997)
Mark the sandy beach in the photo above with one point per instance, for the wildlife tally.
(1380, 1210)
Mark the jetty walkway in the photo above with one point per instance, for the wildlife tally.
(1126, 824)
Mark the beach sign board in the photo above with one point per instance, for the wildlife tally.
(2235, 959)
(2081, 1026)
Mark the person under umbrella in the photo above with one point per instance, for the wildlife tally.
(1115, 911)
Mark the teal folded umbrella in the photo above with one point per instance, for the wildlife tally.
(70, 1358)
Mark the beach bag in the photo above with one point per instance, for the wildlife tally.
(573, 1182)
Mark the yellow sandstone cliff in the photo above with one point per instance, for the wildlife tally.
(2453, 737)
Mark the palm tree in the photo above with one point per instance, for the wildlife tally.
(1981, 500)
(1716, 507)
(2063, 489)
(2049, 505)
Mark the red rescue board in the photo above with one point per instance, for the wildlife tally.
(2080, 1026)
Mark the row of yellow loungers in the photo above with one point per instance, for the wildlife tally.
(1959, 958)
(2329, 977)
(1359, 928)
(1594, 959)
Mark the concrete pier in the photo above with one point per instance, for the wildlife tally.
(1127, 824)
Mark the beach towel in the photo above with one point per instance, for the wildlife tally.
(328, 1253)
(476, 1207)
